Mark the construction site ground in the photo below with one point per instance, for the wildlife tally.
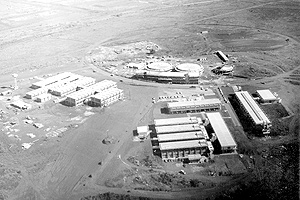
(67, 158)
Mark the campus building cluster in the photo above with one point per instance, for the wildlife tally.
(76, 90)
(186, 138)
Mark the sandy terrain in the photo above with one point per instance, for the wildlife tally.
(41, 37)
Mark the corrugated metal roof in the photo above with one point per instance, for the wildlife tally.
(175, 121)
(266, 95)
(182, 144)
(252, 107)
(221, 130)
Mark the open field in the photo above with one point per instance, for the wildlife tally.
(67, 158)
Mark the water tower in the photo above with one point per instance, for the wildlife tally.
(15, 79)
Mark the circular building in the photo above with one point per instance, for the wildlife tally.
(189, 67)
(160, 66)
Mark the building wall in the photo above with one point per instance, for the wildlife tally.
(193, 109)
(256, 127)
(181, 154)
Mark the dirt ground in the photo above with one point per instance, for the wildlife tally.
(67, 159)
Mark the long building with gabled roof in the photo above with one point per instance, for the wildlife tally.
(253, 111)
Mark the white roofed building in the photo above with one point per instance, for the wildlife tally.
(194, 106)
(176, 121)
(228, 145)
(179, 150)
(177, 128)
(80, 96)
(107, 97)
(266, 96)
(52, 80)
(253, 111)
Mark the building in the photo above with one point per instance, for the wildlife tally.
(176, 121)
(21, 105)
(222, 56)
(107, 97)
(266, 96)
(222, 132)
(178, 128)
(142, 131)
(34, 93)
(80, 96)
(51, 80)
(194, 106)
(168, 77)
(179, 150)
(65, 89)
(183, 136)
(252, 110)
(43, 98)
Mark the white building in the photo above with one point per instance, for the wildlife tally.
(266, 96)
(194, 106)
(178, 128)
(222, 132)
(253, 111)
(80, 96)
(43, 97)
(34, 93)
(176, 121)
(107, 97)
(51, 80)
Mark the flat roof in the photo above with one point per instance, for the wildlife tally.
(174, 121)
(221, 130)
(255, 112)
(266, 94)
(181, 136)
(204, 102)
(182, 144)
(177, 128)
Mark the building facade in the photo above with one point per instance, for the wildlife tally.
(253, 112)
(205, 105)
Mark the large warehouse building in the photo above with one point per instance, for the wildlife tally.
(260, 121)
(204, 105)
(222, 132)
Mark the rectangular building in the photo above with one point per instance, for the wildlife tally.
(43, 97)
(175, 121)
(73, 86)
(34, 93)
(253, 111)
(266, 96)
(222, 56)
(172, 137)
(204, 105)
(222, 132)
(178, 128)
(179, 150)
(51, 80)
(107, 97)
(80, 96)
